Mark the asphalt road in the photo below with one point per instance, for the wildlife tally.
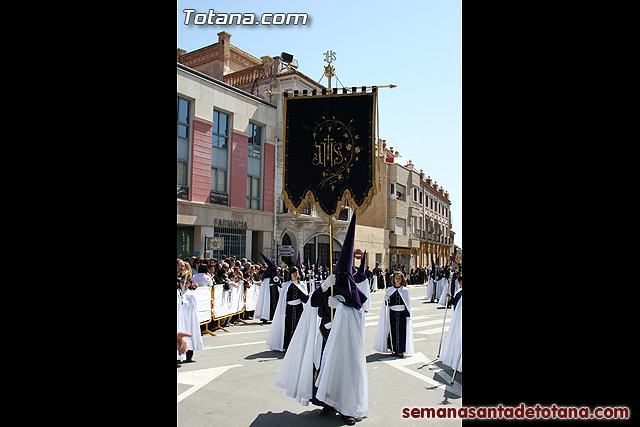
(230, 382)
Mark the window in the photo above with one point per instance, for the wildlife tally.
(253, 166)
(307, 209)
(253, 193)
(220, 129)
(183, 141)
(415, 194)
(219, 158)
(400, 225)
(235, 242)
(400, 192)
(255, 140)
(344, 215)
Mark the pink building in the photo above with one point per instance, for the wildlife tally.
(225, 168)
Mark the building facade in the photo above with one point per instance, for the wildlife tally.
(225, 168)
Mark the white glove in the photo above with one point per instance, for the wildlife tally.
(333, 301)
(329, 282)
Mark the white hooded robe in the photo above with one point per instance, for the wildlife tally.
(342, 380)
(453, 342)
(380, 343)
(275, 338)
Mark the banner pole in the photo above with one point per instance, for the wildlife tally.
(443, 322)
(331, 257)
(328, 72)
(455, 369)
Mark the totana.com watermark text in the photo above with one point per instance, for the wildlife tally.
(212, 18)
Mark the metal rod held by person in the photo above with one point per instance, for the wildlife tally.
(443, 322)
(455, 369)
(331, 260)
(389, 320)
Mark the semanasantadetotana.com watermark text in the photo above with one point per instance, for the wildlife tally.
(212, 18)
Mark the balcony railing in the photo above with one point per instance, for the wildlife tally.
(425, 236)
(251, 74)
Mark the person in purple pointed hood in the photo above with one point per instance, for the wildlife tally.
(362, 281)
(341, 378)
(269, 292)
(345, 282)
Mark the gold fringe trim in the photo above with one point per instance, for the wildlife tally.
(346, 199)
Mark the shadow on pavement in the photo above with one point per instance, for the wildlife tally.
(266, 354)
(308, 418)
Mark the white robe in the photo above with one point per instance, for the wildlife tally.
(263, 306)
(380, 343)
(188, 320)
(446, 287)
(295, 377)
(430, 287)
(364, 287)
(342, 380)
(439, 286)
(275, 338)
(453, 342)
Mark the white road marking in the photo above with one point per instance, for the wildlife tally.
(234, 345)
(414, 318)
(199, 378)
(430, 322)
(220, 334)
(418, 357)
(432, 331)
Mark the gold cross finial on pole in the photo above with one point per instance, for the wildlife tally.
(329, 56)
(329, 70)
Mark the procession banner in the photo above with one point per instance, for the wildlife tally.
(329, 151)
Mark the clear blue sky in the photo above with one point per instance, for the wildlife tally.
(415, 45)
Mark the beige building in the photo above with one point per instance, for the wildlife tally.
(413, 213)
